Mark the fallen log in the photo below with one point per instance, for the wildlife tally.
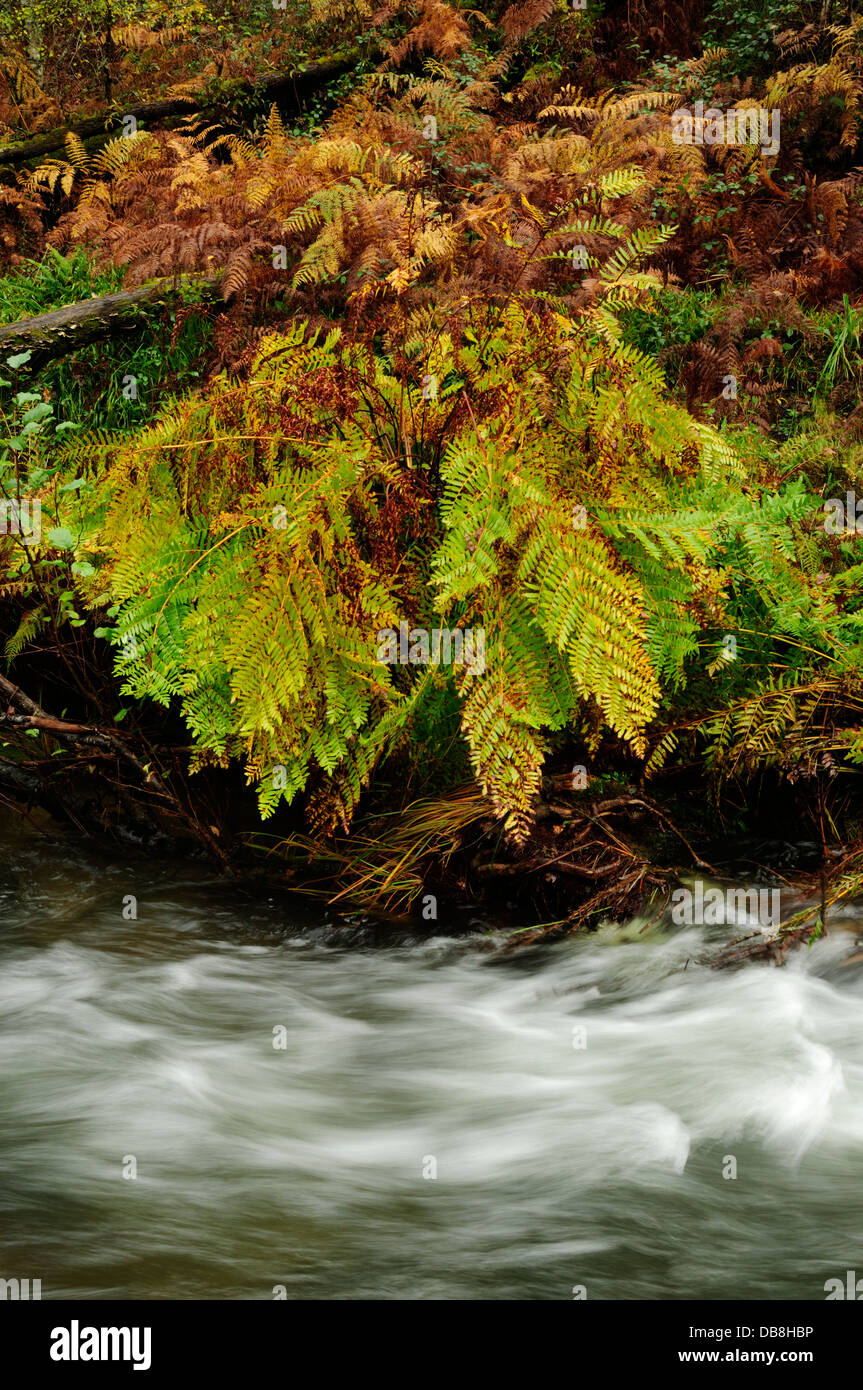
(291, 88)
(54, 140)
(63, 331)
(758, 947)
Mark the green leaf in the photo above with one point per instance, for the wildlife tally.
(61, 538)
(38, 412)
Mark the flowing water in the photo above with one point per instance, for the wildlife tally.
(285, 1101)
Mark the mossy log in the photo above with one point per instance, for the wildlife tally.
(290, 89)
(63, 331)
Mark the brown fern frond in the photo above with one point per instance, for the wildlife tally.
(520, 20)
(441, 32)
(136, 37)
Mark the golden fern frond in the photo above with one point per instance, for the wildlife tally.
(124, 150)
(78, 155)
(607, 109)
(710, 56)
(275, 137)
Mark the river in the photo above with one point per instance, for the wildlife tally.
(230, 1097)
